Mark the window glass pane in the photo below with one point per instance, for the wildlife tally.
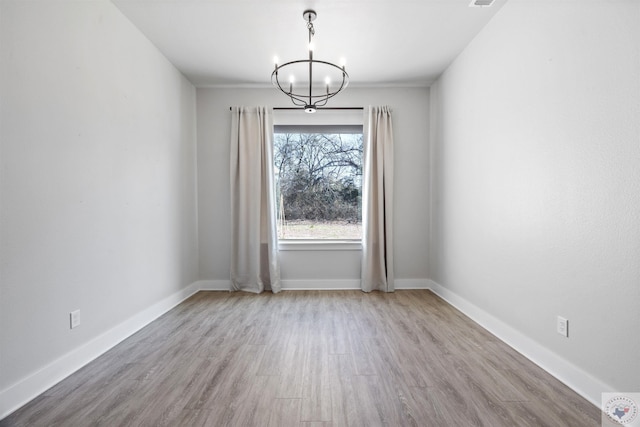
(319, 181)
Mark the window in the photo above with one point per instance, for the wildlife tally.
(319, 179)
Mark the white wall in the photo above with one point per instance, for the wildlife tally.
(98, 182)
(410, 109)
(536, 180)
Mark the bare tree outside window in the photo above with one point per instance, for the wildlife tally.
(319, 179)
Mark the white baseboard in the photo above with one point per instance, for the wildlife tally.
(348, 284)
(30, 387)
(401, 284)
(214, 285)
(310, 284)
(287, 285)
(326, 285)
(575, 378)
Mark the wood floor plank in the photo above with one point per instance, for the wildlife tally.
(316, 400)
(290, 380)
(284, 413)
(252, 405)
(344, 407)
(421, 409)
(316, 390)
(337, 335)
(310, 358)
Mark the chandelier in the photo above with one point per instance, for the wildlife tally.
(310, 97)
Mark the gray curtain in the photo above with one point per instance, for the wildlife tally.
(377, 201)
(254, 240)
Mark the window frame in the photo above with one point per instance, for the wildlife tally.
(320, 244)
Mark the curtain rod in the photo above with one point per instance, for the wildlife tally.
(319, 108)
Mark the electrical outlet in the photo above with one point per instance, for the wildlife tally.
(74, 318)
(563, 326)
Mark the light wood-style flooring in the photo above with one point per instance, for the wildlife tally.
(310, 358)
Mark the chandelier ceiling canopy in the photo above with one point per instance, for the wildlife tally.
(307, 94)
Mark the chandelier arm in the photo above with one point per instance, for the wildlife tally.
(342, 86)
(321, 100)
(298, 102)
(321, 103)
(296, 99)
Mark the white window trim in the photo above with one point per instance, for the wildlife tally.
(319, 245)
(332, 118)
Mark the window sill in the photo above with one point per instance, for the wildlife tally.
(319, 245)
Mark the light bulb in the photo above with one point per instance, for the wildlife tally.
(327, 80)
(291, 79)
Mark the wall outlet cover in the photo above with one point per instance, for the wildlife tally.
(563, 326)
(74, 318)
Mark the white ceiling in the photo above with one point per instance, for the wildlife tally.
(384, 42)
